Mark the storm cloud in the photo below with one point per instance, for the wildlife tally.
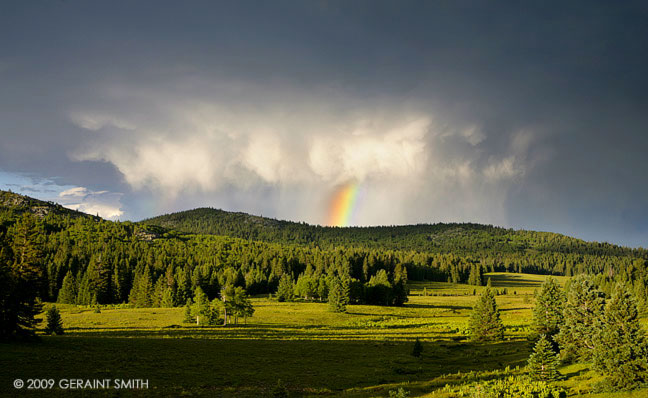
(526, 116)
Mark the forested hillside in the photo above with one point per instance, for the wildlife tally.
(85, 260)
(465, 238)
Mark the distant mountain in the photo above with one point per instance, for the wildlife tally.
(464, 238)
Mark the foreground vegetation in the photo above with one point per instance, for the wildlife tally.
(362, 319)
(362, 353)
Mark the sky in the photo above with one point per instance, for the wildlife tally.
(528, 115)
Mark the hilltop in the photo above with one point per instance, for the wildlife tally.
(462, 238)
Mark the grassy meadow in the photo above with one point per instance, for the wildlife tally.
(363, 353)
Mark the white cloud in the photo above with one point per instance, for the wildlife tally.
(105, 204)
(301, 146)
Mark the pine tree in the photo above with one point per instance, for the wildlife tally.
(68, 292)
(322, 288)
(21, 274)
(400, 290)
(336, 297)
(548, 310)
(476, 275)
(188, 316)
(417, 349)
(621, 349)
(485, 323)
(167, 298)
(543, 362)
(86, 295)
(583, 314)
(54, 321)
(285, 291)
(202, 307)
(142, 291)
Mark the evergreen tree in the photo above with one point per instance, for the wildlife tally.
(54, 321)
(476, 275)
(543, 362)
(417, 350)
(142, 291)
(188, 316)
(86, 295)
(21, 275)
(485, 323)
(336, 297)
(167, 298)
(548, 310)
(400, 290)
(583, 314)
(202, 310)
(322, 288)
(68, 292)
(621, 350)
(285, 291)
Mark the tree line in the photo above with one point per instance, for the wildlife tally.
(580, 323)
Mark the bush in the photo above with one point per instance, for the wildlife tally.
(516, 387)
(280, 391)
(400, 393)
(418, 348)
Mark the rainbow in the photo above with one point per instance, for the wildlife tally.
(343, 205)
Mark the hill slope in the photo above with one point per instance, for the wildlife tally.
(114, 262)
(14, 204)
(441, 238)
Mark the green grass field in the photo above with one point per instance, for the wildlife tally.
(363, 353)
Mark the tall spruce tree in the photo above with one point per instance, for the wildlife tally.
(337, 297)
(621, 350)
(485, 323)
(476, 275)
(285, 290)
(548, 310)
(543, 362)
(54, 321)
(141, 294)
(21, 273)
(399, 289)
(68, 292)
(583, 316)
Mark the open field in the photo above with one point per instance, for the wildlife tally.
(363, 353)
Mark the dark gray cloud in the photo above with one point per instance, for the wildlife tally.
(523, 115)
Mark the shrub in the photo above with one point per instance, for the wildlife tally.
(417, 349)
(516, 387)
(400, 393)
(280, 391)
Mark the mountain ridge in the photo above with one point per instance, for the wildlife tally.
(420, 237)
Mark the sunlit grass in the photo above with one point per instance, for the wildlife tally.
(363, 353)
